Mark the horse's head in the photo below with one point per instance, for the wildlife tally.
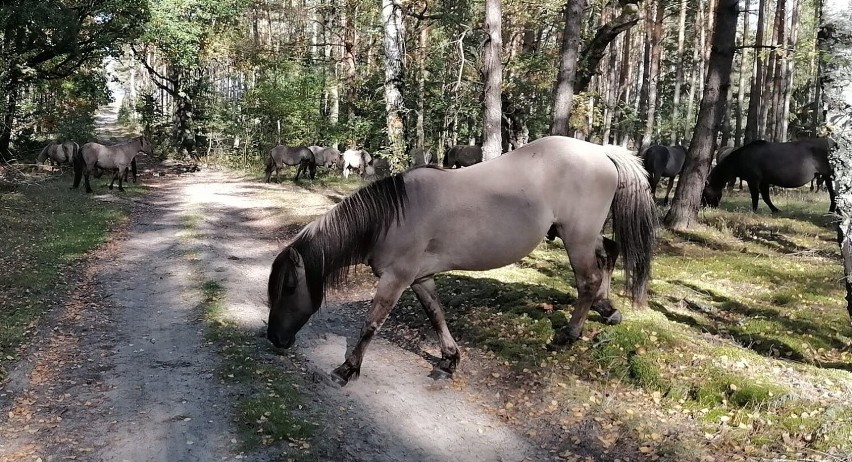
(145, 146)
(711, 196)
(290, 304)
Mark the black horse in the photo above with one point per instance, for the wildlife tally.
(663, 162)
(280, 156)
(462, 155)
(762, 164)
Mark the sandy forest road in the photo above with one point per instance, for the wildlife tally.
(123, 372)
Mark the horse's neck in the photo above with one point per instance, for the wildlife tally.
(721, 174)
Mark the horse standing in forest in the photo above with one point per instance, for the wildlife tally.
(328, 157)
(412, 225)
(725, 152)
(117, 158)
(462, 155)
(663, 162)
(59, 153)
(763, 164)
(279, 156)
(355, 159)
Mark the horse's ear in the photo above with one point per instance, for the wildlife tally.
(295, 258)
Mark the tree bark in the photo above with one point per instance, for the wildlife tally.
(492, 124)
(394, 33)
(835, 41)
(779, 74)
(681, 33)
(563, 92)
(792, 44)
(738, 134)
(687, 199)
(753, 129)
(592, 54)
(654, 72)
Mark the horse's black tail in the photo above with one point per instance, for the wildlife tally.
(79, 165)
(634, 223)
(133, 169)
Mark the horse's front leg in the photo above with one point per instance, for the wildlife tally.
(829, 186)
(428, 296)
(387, 293)
(764, 191)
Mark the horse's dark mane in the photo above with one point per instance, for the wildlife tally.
(346, 234)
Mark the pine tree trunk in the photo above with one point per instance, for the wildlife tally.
(753, 129)
(654, 72)
(681, 33)
(625, 85)
(394, 33)
(563, 92)
(687, 199)
(492, 123)
(696, 71)
(738, 135)
(792, 44)
(835, 41)
(421, 86)
(780, 74)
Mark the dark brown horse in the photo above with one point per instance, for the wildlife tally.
(663, 162)
(462, 155)
(763, 164)
(411, 226)
(280, 156)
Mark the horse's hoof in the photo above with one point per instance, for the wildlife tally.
(440, 374)
(613, 319)
(337, 378)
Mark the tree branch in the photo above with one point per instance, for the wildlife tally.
(591, 56)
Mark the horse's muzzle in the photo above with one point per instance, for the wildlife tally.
(279, 342)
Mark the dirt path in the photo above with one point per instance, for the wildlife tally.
(122, 371)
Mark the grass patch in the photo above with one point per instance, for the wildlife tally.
(46, 230)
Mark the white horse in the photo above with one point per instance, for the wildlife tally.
(356, 159)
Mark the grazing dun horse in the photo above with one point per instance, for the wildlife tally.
(117, 158)
(411, 226)
(59, 153)
(280, 156)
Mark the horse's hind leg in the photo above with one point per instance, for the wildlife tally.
(387, 293)
(589, 272)
(122, 176)
(668, 191)
(606, 254)
(829, 186)
(428, 296)
(764, 191)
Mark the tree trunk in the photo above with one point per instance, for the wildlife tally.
(681, 33)
(835, 41)
(563, 92)
(792, 44)
(753, 129)
(687, 199)
(624, 86)
(654, 72)
(10, 92)
(779, 82)
(421, 86)
(592, 54)
(492, 144)
(394, 33)
(695, 73)
(738, 136)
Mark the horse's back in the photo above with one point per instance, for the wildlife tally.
(494, 213)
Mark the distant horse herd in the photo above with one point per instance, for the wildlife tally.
(413, 225)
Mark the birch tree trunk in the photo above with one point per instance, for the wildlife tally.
(687, 199)
(753, 129)
(563, 92)
(393, 38)
(835, 41)
(492, 125)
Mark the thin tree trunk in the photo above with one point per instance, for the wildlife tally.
(738, 136)
(642, 101)
(792, 44)
(696, 72)
(681, 32)
(753, 128)
(624, 85)
(492, 123)
(778, 80)
(394, 32)
(654, 72)
(421, 86)
(836, 82)
(687, 199)
(563, 93)
(590, 57)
